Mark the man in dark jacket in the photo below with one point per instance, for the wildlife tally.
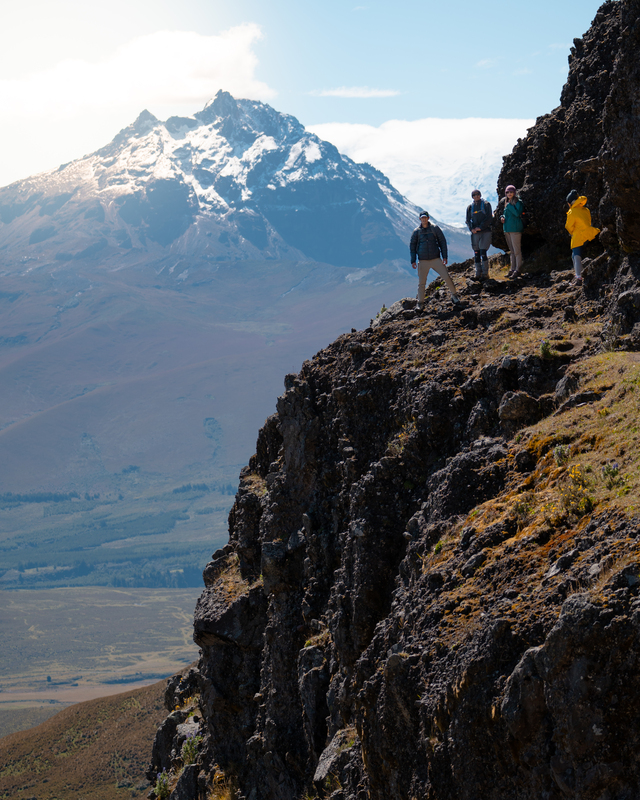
(428, 248)
(479, 223)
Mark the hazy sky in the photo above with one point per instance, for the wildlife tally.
(72, 73)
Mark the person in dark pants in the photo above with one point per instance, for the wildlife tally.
(428, 249)
(479, 223)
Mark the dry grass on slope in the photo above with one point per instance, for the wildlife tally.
(98, 750)
(572, 512)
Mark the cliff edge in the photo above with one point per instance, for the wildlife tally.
(431, 588)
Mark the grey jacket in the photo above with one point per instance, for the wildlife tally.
(427, 243)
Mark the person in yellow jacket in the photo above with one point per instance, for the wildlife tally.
(579, 226)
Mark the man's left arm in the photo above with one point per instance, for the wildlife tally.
(442, 243)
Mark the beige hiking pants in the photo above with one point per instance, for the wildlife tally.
(438, 267)
(513, 243)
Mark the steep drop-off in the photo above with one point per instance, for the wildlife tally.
(431, 588)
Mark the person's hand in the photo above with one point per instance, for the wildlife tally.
(501, 219)
(413, 265)
(444, 261)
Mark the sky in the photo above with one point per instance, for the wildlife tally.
(403, 84)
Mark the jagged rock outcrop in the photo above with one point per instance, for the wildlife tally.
(589, 143)
(431, 587)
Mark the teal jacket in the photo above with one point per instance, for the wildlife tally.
(513, 217)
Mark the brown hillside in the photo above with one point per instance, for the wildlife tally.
(96, 750)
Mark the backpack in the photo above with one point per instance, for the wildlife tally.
(481, 210)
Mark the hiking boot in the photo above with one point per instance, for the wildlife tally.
(455, 300)
(419, 306)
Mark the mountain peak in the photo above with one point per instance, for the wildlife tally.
(144, 122)
(145, 118)
(222, 105)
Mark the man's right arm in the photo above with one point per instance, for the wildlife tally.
(413, 247)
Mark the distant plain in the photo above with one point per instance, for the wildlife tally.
(129, 403)
(63, 646)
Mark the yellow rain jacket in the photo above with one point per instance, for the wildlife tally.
(579, 223)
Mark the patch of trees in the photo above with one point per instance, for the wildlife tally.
(38, 497)
(191, 487)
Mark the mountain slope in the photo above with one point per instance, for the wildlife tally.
(97, 749)
(236, 180)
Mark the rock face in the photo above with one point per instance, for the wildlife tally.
(591, 142)
(431, 588)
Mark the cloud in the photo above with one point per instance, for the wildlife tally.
(433, 162)
(76, 106)
(162, 68)
(487, 63)
(523, 71)
(355, 91)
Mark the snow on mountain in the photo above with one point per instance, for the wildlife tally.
(237, 180)
(435, 162)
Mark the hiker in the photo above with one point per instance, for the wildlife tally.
(428, 248)
(579, 226)
(479, 223)
(512, 227)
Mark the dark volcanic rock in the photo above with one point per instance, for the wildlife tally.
(391, 618)
(620, 151)
(590, 142)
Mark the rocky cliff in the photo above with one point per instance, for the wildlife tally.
(589, 143)
(431, 588)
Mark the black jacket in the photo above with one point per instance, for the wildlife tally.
(427, 243)
(479, 216)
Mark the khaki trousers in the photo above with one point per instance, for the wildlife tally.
(438, 267)
(513, 243)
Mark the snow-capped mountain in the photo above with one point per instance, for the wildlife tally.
(237, 180)
(434, 162)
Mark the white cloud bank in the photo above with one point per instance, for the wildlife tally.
(77, 106)
(434, 162)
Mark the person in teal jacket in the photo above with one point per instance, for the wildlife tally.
(512, 227)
